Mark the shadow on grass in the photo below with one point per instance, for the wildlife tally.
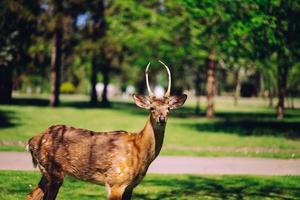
(267, 115)
(225, 188)
(6, 119)
(250, 127)
(15, 185)
(30, 101)
(42, 102)
(115, 105)
(251, 123)
(184, 112)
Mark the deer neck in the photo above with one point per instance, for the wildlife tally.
(152, 137)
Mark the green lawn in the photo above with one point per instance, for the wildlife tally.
(250, 129)
(15, 185)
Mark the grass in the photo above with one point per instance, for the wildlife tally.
(15, 185)
(250, 129)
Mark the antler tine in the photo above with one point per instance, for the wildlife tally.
(168, 93)
(147, 81)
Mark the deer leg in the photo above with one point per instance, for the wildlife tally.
(115, 192)
(53, 187)
(39, 192)
(127, 193)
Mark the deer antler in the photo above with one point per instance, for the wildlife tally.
(168, 93)
(147, 81)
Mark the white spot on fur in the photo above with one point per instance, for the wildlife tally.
(118, 170)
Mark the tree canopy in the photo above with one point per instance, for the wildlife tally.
(84, 42)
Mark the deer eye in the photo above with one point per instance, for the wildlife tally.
(151, 108)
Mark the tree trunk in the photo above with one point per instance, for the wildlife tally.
(198, 85)
(282, 81)
(291, 104)
(271, 98)
(292, 101)
(237, 86)
(93, 93)
(5, 84)
(56, 54)
(288, 99)
(210, 86)
(105, 74)
(98, 31)
(261, 86)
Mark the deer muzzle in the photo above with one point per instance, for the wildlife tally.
(162, 120)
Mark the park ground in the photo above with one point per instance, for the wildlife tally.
(15, 185)
(247, 130)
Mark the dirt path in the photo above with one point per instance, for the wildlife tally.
(186, 165)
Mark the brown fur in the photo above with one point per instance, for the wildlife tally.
(117, 159)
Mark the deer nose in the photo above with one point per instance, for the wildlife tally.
(162, 119)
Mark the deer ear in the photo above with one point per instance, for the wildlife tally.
(177, 101)
(142, 101)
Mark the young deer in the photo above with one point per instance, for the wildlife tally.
(117, 159)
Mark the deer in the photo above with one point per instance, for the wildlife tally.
(117, 159)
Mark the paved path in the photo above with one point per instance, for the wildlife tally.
(185, 165)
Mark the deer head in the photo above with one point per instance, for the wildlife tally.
(159, 107)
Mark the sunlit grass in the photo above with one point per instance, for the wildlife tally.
(15, 185)
(250, 129)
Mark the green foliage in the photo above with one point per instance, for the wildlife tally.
(259, 36)
(17, 18)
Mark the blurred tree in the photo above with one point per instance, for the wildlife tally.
(287, 30)
(276, 32)
(268, 71)
(235, 48)
(56, 54)
(214, 22)
(17, 21)
(92, 31)
(96, 9)
(293, 83)
(56, 31)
